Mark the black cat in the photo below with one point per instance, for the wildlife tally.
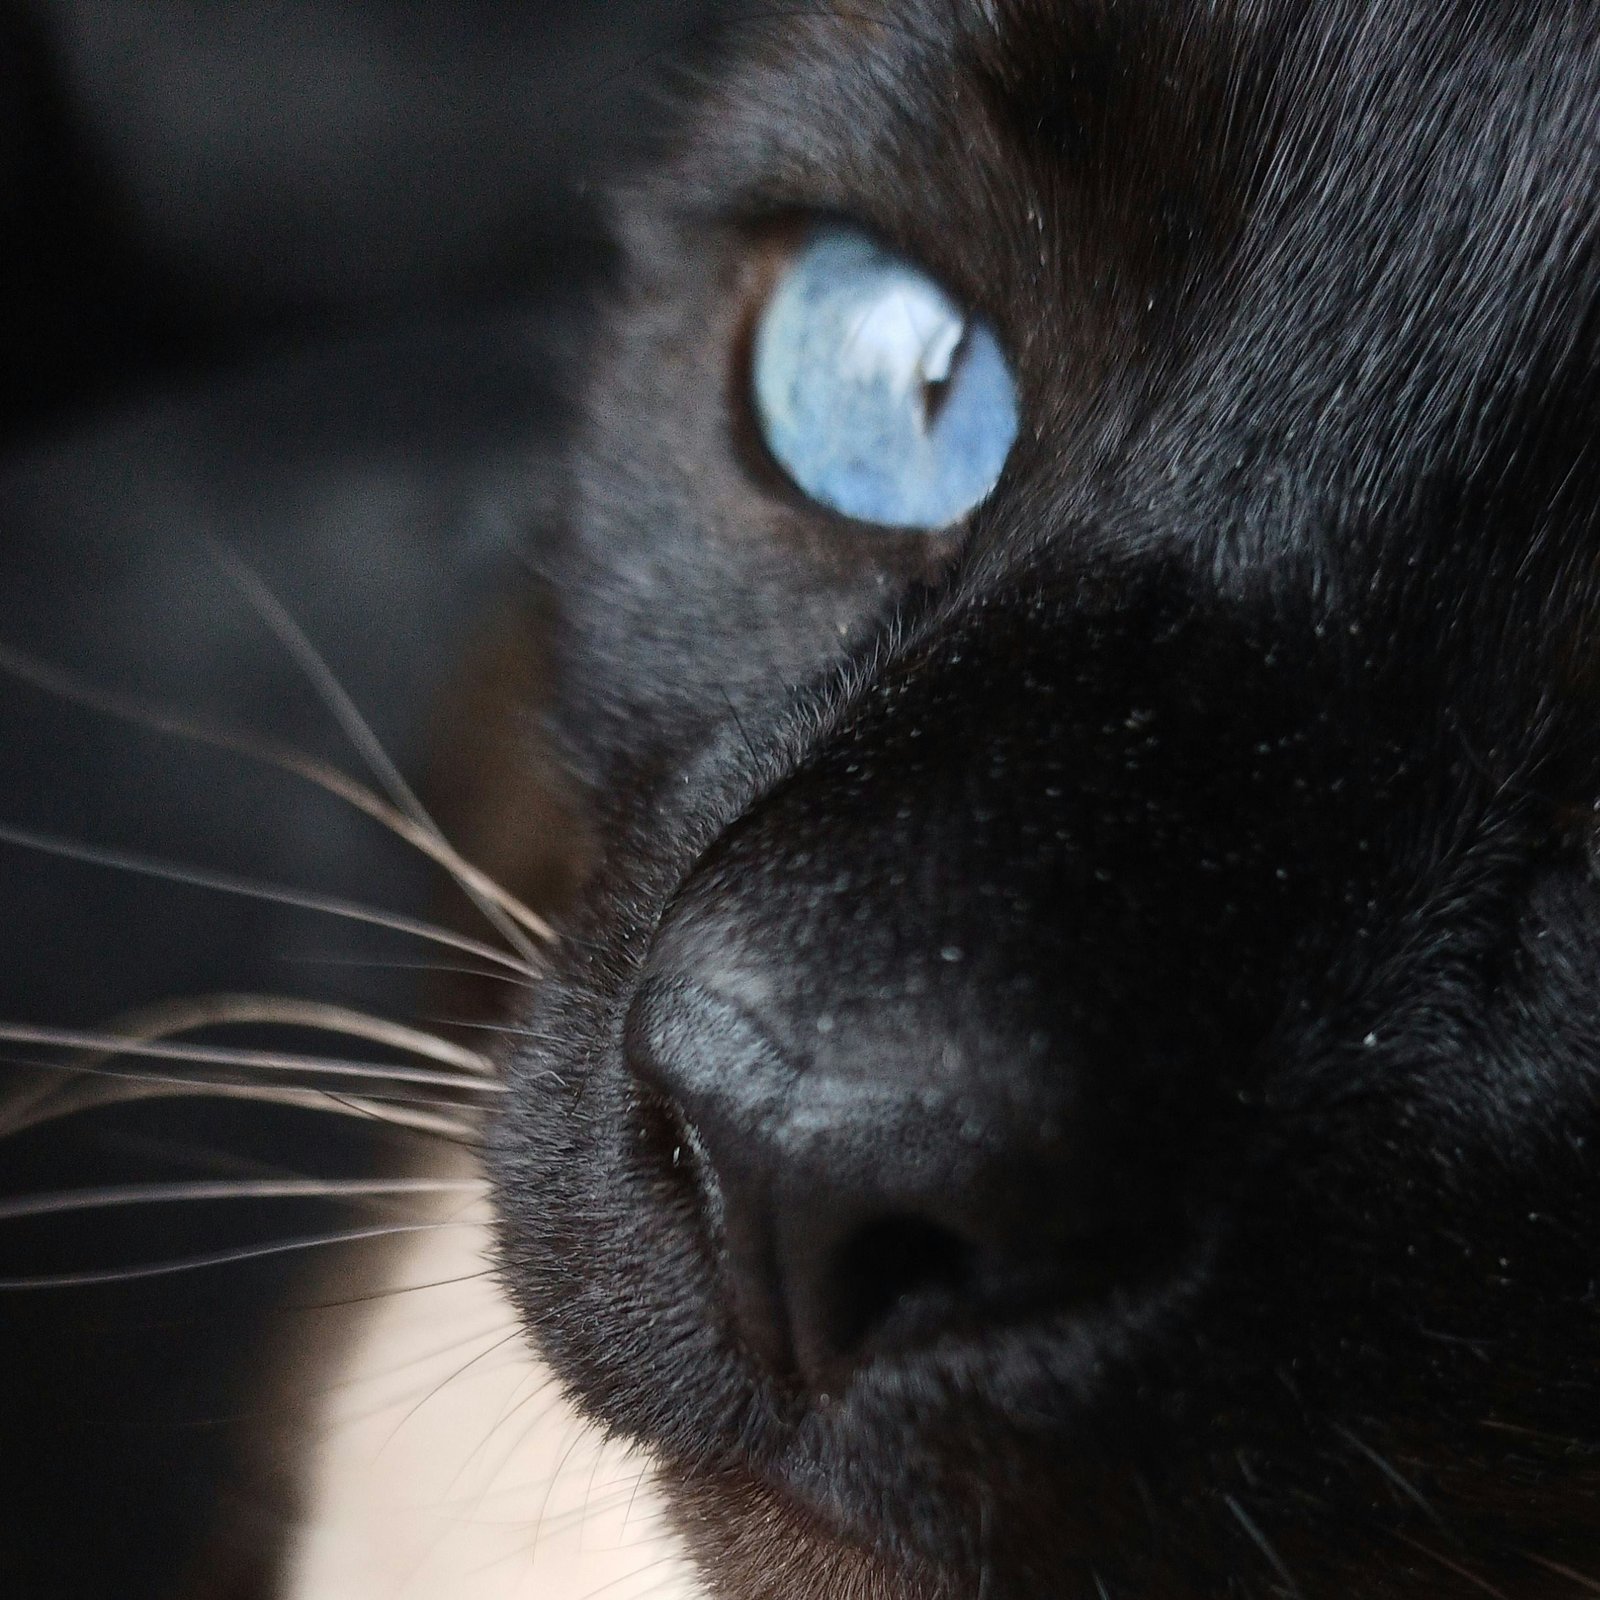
(1072, 1071)
(1075, 1073)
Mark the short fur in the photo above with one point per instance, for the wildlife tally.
(1224, 790)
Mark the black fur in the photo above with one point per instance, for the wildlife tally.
(1244, 749)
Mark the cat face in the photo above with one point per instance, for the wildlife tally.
(1076, 1073)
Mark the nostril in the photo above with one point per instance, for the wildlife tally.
(668, 1146)
(829, 1236)
(896, 1277)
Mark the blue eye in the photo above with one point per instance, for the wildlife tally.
(876, 393)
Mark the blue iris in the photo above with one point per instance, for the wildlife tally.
(876, 393)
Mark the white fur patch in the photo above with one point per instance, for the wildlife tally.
(447, 1465)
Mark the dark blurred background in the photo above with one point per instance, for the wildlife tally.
(307, 279)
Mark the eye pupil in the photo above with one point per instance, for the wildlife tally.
(939, 356)
(938, 381)
(879, 396)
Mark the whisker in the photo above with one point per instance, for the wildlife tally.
(607, 1497)
(217, 1055)
(22, 1109)
(369, 1376)
(546, 1390)
(1587, 1584)
(270, 610)
(128, 1088)
(477, 1025)
(391, 1292)
(380, 964)
(513, 919)
(671, 1558)
(633, 1496)
(1460, 1571)
(420, 833)
(170, 1017)
(220, 1258)
(271, 893)
(504, 1030)
(38, 1109)
(582, 1433)
(1394, 1475)
(1564, 1441)
(499, 1343)
(1263, 1544)
(985, 1546)
(115, 1196)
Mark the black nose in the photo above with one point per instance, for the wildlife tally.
(867, 1200)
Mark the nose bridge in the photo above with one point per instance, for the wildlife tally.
(844, 1116)
(962, 989)
(1087, 806)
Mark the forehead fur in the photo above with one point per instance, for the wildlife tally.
(1160, 170)
(1321, 271)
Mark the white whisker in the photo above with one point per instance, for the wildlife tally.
(513, 920)
(419, 832)
(172, 1017)
(111, 1045)
(381, 964)
(115, 1196)
(220, 1258)
(276, 894)
(127, 1088)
